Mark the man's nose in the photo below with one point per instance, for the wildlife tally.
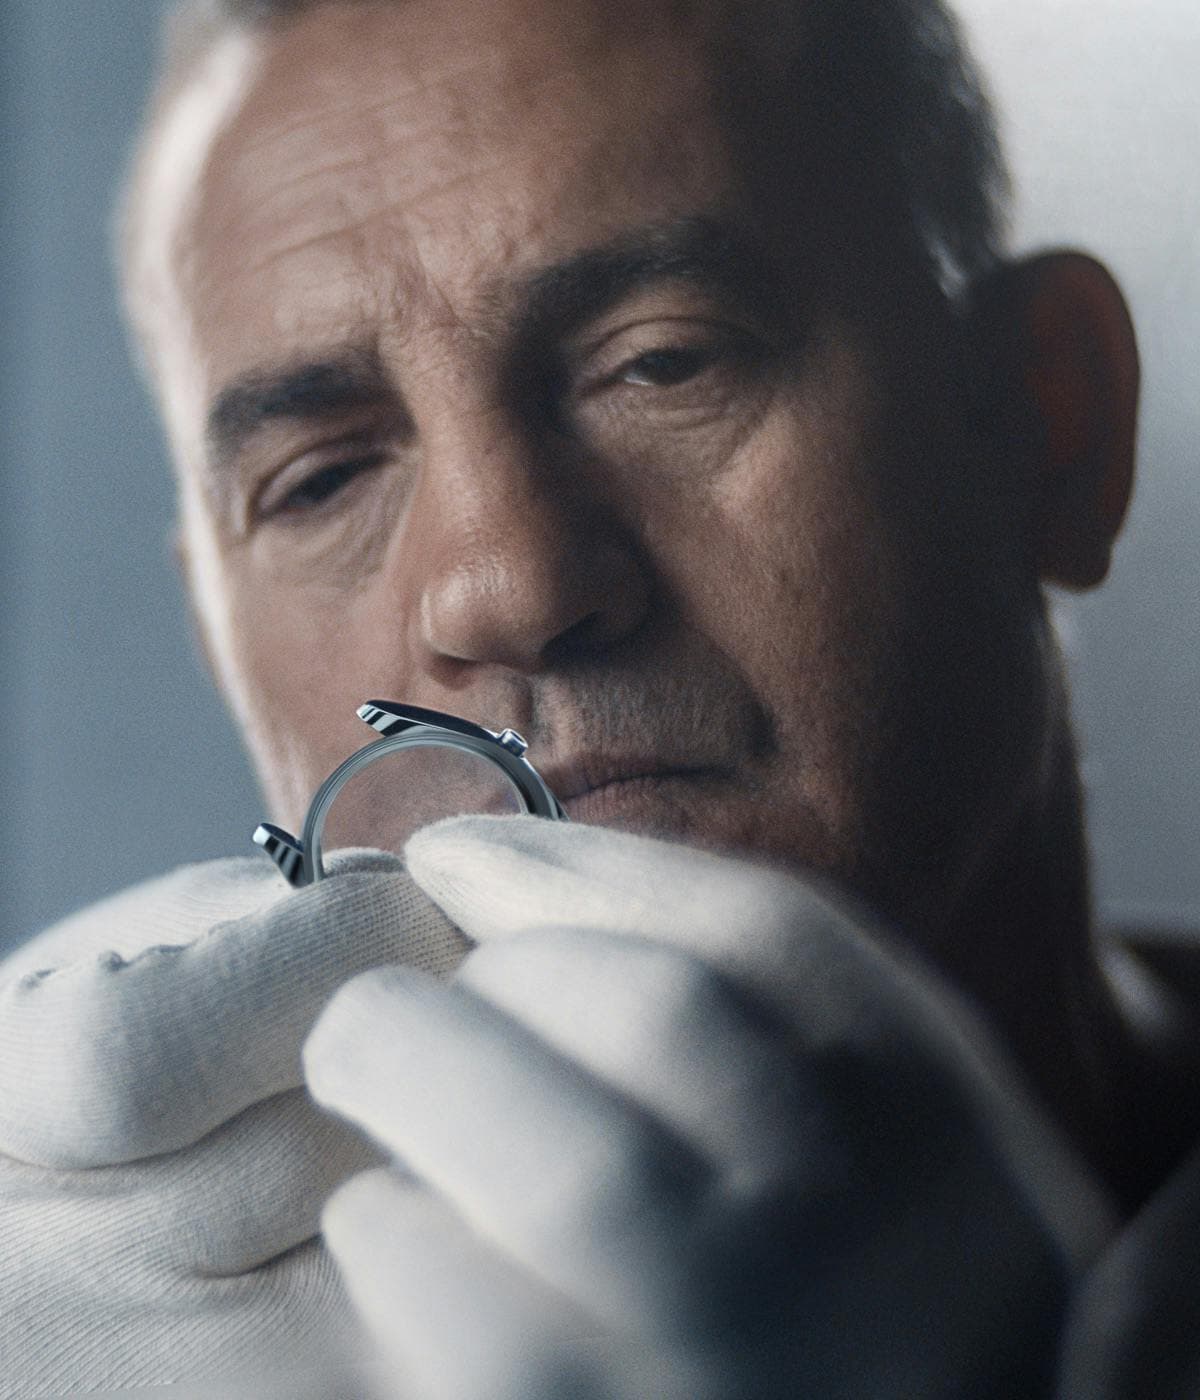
(523, 564)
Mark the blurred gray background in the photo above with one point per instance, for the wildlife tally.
(117, 759)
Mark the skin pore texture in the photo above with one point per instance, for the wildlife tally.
(511, 370)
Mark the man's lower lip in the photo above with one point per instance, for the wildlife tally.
(625, 799)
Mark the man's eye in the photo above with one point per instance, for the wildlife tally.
(323, 484)
(654, 384)
(670, 366)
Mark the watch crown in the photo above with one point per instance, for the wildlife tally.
(509, 739)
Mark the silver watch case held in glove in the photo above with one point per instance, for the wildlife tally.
(402, 727)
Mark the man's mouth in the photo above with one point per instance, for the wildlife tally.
(618, 791)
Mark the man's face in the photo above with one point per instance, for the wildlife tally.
(510, 373)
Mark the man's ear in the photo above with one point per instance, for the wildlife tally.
(1073, 369)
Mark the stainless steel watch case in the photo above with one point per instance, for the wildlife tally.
(402, 727)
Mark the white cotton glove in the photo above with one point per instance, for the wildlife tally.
(162, 1171)
(680, 1128)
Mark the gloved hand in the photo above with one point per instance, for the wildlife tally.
(679, 1127)
(162, 1172)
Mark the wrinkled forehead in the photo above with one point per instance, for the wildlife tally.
(468, 122)
(431, 150)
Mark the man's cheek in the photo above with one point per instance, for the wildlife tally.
(292, 696)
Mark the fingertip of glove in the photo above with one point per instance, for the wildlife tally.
(328, 1052)
(457, 844)
(358, 1201)
(363, 860)
(467, 827)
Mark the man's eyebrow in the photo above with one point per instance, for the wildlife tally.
(702, 250)
(556, 300)
(313, 389)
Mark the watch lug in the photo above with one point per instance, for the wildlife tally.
(284, 850)
(384, 719)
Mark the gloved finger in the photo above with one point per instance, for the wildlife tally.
(253, 1189)
(672, 1034)
(566, 1176)
(174, 908)
(846, 993)
(109, 1060)
(291, 1313)
(451, 1317)
(246, 1194)
(772, 933)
